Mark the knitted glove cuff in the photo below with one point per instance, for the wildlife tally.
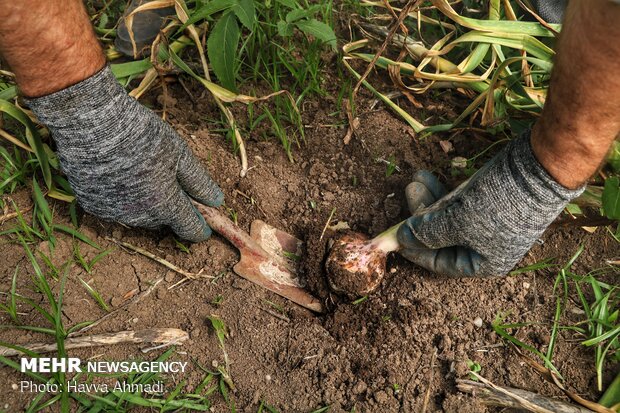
(89, 95)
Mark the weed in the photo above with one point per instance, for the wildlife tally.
(95, 294)
(600, 328)
(11, 306)
(265, 407)
(359, 300)
(475, 368)
(390, 167)
(181, 246)
(275, 306)
(234, 215)
(112, 401)
(88, 265)
(218, 300)
(220, 332)
(537, 266)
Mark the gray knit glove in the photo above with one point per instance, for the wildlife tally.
(487, 224)
(123, 162)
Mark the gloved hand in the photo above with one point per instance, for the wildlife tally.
(487, 224)
(551, 11)
(123, 162)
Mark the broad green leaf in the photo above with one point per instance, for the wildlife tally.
(285, 29)
(222, 49)
(295, 15)
(246, 13)
(298, 14)
(288, 3)
(614, 157)
(611, 198)
(319, 30)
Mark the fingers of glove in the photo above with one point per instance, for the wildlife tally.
(185, 220)
(418, 196)
(195, 180)
(406, 239)
(451, 262)
(431, 182)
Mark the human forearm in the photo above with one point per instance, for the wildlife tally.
(581, 117)
(48, 44)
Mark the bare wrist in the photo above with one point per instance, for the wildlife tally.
(569, 159)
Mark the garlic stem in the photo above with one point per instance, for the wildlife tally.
(387, 240)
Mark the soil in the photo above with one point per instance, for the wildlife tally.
(398, 350)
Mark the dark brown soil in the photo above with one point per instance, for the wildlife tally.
(375, 355)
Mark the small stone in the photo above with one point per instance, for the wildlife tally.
(392, 270)
(214, 363)
(381, 397)
(526, 285)
(478, 322)
(461, 369)
(403, 302)
(14, 386)
(117, 234)
(459, 162)
(170, 276)
(135, 320)
(359, 388)
(446, 146)
(268, 377)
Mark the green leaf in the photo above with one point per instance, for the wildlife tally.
(123, 70)
(284, 29)
(8, 93)
(611, 198)
(246, 13)
(222, 49)
(614, 157)
(288, 3)
(319, 30)
(298, 14)
(32, 137)
(40, 201)
(207, 10)
(76, 234)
